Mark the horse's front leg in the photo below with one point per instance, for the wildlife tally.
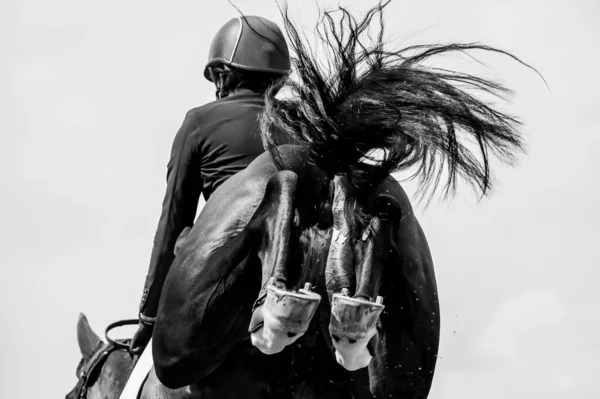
(280, 315)
(355, 263)
(353, 323)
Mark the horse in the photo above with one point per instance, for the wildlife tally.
(307, 275)
(244, 271)
(309, 368)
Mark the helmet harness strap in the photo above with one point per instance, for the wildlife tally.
(219, 76)
(221, 86)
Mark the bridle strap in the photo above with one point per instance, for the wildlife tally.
(89, 367)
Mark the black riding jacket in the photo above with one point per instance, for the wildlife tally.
(215, 142)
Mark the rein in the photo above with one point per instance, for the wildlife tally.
(91, 368)
(121, 344)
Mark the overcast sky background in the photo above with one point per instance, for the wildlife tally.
(93, 93)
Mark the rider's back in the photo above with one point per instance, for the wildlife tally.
(227, 136)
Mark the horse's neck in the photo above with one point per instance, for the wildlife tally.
(113, 376)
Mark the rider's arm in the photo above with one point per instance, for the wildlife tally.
(184, 185)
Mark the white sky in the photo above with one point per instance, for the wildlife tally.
(93, 93)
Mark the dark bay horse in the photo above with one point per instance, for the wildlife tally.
(284, 228)
(307, 275)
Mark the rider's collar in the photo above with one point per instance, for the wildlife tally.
(242, 91)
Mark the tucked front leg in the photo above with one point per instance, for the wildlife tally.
(279, 316)
(353, 324)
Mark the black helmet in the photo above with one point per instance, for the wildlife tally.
(249, 43)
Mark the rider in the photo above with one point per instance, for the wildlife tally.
(217, 140)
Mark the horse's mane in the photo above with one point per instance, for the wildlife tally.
(367, 97)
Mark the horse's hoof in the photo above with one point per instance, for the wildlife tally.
(352, 326)
(286, 316)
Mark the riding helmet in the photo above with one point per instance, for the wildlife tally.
(249, 43)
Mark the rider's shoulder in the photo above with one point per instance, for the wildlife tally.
(242, 103)
(209, 108)
(200, 111)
